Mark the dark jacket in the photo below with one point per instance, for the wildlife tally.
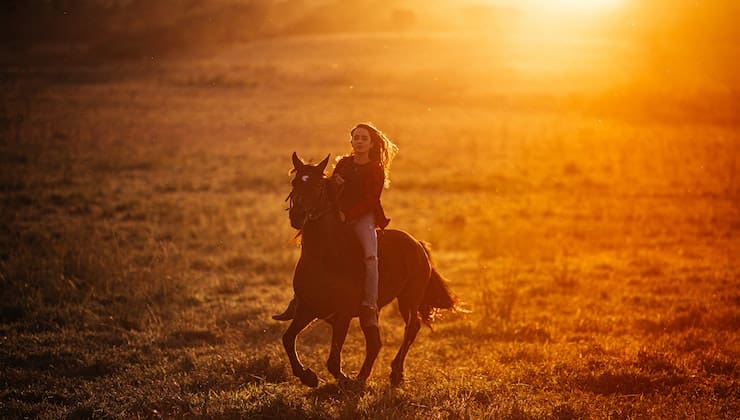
(361, 190)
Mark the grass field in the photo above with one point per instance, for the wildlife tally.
(591, 223)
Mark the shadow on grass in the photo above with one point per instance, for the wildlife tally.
(192, 338)
(629, 383)
(498, 330)
(356, 400)
(67, 364)
(263, 369)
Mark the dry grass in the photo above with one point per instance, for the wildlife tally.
(144, 243)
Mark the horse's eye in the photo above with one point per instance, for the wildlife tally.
(304, 178)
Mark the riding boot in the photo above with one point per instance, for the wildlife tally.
(289, 312)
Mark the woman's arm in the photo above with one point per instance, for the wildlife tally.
(336, 176)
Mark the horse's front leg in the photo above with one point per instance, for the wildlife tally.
(372, 348)
(339, 327)
(300, 321)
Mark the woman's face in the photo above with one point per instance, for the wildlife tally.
(361, 141)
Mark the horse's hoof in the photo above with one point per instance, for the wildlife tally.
(309, 378)
(396, 379)
(361, 380)
(345, 382)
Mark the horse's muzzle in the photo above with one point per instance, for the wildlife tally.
(297, 218)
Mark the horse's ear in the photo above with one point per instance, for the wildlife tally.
(297, 163)
(323, 163)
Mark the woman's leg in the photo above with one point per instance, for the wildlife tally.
(364, 228)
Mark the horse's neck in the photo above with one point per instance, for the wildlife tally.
(324, 238)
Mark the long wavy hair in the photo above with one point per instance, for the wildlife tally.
(383, 149)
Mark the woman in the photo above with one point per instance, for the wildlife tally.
(361, 176)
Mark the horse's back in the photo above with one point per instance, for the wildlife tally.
(396, 237)
(403, 261)
(401, 243)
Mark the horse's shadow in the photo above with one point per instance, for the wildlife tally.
(344, 390)
(348, 395)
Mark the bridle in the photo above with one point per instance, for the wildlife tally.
(316, 212)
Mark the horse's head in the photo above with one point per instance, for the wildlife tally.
(309, 198)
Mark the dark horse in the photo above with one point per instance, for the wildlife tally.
(329, 274)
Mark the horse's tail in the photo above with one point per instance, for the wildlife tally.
(437, 295)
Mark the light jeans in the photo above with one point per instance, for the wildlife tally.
(364, 228)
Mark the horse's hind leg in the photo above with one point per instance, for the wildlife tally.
(300, 321)
(339, 327)
(413, 324)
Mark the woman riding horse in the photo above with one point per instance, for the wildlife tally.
(326, 280)
(361, 176)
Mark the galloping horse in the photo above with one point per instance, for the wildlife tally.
(329, 274)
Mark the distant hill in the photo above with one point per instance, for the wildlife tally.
(120, 29)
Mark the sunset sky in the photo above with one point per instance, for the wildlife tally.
(568, 7)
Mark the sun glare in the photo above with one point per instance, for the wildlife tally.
(570, 7)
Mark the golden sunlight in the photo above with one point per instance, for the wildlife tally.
(574, 164)
(570, 7)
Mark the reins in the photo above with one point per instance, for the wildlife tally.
(314, 213)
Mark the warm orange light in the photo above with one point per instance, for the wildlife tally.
(570, 7)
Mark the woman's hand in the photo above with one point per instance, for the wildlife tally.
(342, 217)
(337, 179)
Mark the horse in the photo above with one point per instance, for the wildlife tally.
(329, 274)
